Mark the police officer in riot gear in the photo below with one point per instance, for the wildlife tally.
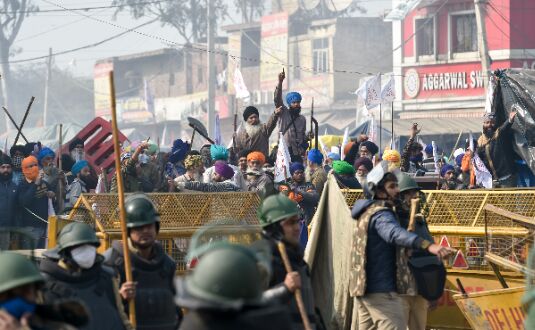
(152, 269)
(74, 270)
(224, 292)
(20, 283)
(280, 222)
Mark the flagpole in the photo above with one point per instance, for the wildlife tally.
(392, 118)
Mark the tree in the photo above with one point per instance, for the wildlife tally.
(12, 14)
(249, 9)
(188, 17)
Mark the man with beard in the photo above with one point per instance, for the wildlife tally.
(373, 277)
(220, 153)
(368, 149)
(448, 178)
(254, 135)
(80, 171)
(291, 123)
(17, 155)
(220, 181)
(257, 180)
(496, 151)
(362, 166)
(8, 200)
(51, 173)
(152, 269)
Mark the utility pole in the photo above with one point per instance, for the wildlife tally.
(211, 67)
(482, 40)
(47, 85)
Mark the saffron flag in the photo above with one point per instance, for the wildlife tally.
(282, 164)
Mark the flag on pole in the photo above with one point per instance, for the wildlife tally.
(393, 142)
(388, 93)
(282, 164)
(483, 176)
(101, 187)
(471, 142)
(239, 85)
(324, 149)
(435, 156)
(344, 142)
(217, 131)
(370, 91)
(6, 151)
(489, 100)
(149, 101)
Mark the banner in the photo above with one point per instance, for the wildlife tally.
(282, 164)
(483, 176)
(274, 54)
(101, 89)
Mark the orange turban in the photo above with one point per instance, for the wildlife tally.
(258, 156)
(347, 147)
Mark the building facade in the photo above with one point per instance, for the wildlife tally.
(437, 61)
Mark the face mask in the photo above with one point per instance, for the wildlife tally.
(17, 307)
(16, 161)
(77, 155)
(144, 159)
(84, 256)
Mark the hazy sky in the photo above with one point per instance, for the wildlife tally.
(67, 30)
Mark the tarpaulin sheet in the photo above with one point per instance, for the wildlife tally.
(328, 255)
(515, 88)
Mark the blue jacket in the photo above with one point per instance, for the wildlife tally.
(384, 234)
(8, 202)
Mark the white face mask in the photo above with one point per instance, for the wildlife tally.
(84, 256)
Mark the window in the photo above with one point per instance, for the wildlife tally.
(464, 33)
(320, 54)
(425, 36)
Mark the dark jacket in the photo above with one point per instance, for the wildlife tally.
(33, 200)
(8, 202)
(347, 181)
(155, 291)
(310, 200)
(384, 234)
(293, 126)
(263, 318)
(94, 287)
(497, 152)
(295, 255)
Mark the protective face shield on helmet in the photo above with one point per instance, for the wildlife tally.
(376, 175)
(84, 255)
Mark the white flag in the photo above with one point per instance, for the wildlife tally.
(435, 156)
(344, 142)
(239, 85)
(471, 142)
(101, 187)
(217, 131)
(483, 176)
(370, 91)
(388, 94)
(282, 164)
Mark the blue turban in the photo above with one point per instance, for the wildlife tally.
(315, 156)
(293, 97)
(333, 156)
(459, 159)
(296, 167)
(78, 166)
(179, 151)
(218, 152)
(445, 169)
(45, 152)
(429, 150)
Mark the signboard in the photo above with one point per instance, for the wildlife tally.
(497, 309)
(101, 86)
(133, 110)
(274, 55)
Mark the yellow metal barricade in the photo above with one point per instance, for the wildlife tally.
(180, 216)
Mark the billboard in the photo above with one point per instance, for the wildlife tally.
(101, 86)
(274, 55)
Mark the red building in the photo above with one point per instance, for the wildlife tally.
(438, 63)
